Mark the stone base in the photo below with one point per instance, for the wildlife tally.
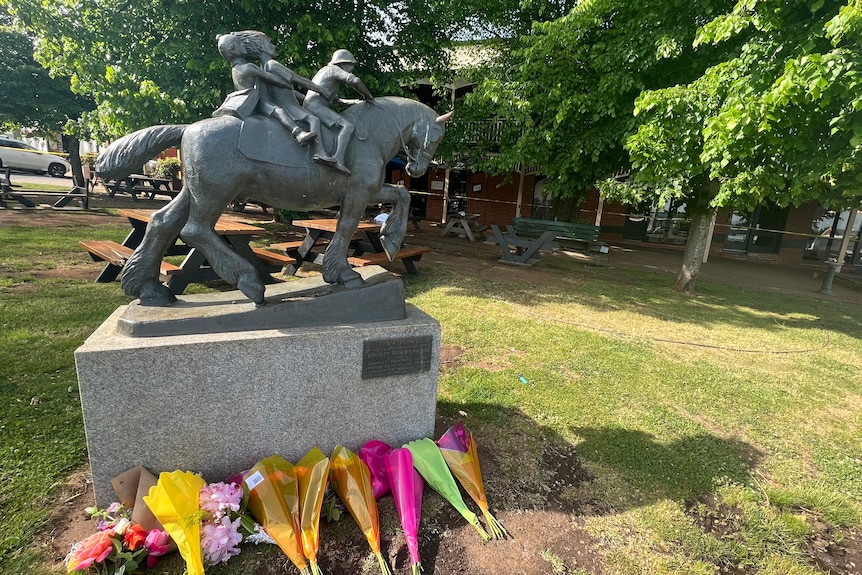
(304, 302)
(217, 403)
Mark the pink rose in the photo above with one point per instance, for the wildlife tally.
(157, 543)
(93, 549)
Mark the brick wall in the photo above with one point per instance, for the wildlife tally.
(494, 198)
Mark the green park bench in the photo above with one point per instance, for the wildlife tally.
(524, 240)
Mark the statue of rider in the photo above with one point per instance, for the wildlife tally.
(267, 88)
(330, 77)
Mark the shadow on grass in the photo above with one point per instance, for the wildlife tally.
(686, 468)
(527, 465)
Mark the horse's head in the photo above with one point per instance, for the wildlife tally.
(427, 133)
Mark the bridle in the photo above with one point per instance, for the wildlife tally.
(423, 151)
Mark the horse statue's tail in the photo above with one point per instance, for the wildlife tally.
(130, 152)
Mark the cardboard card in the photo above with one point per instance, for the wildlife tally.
(131, 487)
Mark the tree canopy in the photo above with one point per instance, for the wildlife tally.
(717, 103)
(565, 95)
(31, 97)
(156, 62)
(714, 103)
(778, 120)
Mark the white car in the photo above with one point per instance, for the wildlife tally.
(20, 156)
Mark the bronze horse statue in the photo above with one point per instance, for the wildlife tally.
(216, 171)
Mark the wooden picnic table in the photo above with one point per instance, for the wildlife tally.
(194, 267)
(142, 184)
(365, 247)
(463, 225)
(318, 234)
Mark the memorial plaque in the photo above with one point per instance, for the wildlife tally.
(396, 356)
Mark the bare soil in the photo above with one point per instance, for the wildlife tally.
(548, 537)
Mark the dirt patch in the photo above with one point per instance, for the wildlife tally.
(68, 523)
(542, 541)
(835, 551)
(450, 356)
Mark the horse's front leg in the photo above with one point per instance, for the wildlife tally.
(141, 273)
(229, 265)
(394, 229)
(336, 270)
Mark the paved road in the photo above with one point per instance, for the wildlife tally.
(29, 178)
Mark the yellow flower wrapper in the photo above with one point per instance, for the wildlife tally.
(273, 501)
(312, 473)
(174, 502)
(351, 481)
(459, 452)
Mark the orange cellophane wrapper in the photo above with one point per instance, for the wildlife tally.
(174, 500)
(351, 481)
(273, 501)
(312, 473)
(465, 467)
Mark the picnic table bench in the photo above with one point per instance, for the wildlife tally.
(365, 246)
(140, 184)
(194, 267)
(116, 255)
(523, 241)
(408, 255)
(22, 196)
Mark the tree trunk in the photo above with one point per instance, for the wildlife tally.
(566, 209)
(695, 247)
(74, 147)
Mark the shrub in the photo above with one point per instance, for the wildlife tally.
(168, 168)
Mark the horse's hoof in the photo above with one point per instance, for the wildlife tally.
(352, 283)
(156, 296)
(253, 290)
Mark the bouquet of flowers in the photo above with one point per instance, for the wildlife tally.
(223, 516)
(203, 520)
(118, 547)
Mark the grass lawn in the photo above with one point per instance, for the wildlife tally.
(734, 402)
(25, 186)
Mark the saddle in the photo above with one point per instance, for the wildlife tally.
(265, 140)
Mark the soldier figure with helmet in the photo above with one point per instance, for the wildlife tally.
(330, 77)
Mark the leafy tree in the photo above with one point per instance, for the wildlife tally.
(565, 95)
(708, 102)
(31, 97)
(156, 62)
(778, 120)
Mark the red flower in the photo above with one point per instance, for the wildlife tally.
(134, 537)
(93, 549)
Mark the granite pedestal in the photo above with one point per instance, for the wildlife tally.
(216, 403)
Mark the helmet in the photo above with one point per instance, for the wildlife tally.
(342, 57)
